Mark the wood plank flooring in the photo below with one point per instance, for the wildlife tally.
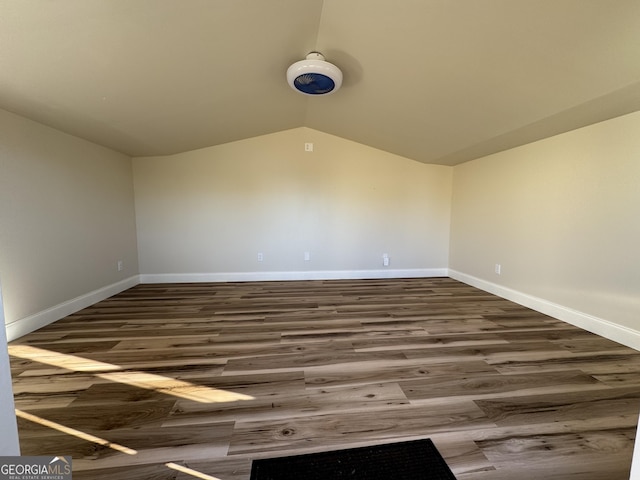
(184, 381)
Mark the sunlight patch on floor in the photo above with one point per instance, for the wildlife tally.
(174, 387)
(62, 360)
(114, 373)
(76, 433)
(190, 471)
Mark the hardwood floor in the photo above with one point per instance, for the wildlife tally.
(184, 381)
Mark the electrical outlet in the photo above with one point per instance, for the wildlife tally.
(385, 259)
(307, 256)
(308, 147)
(498, 269)
(260, 257)
(120, 265)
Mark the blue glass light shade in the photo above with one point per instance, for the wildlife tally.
(314, 83)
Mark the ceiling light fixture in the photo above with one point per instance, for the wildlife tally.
(314, 75)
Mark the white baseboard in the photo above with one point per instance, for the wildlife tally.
(301, 275)
(604, 328)
(38, 320)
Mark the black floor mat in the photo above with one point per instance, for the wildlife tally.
(413, 460)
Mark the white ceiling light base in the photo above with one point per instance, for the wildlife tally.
(314, 76)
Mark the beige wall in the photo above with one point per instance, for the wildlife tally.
(213, 210)
(66, 216)
(561, 216)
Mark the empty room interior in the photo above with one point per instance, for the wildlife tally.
(205, 262)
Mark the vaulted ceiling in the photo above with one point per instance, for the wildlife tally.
(437, 81)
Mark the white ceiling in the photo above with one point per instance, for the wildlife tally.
(438, 81)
